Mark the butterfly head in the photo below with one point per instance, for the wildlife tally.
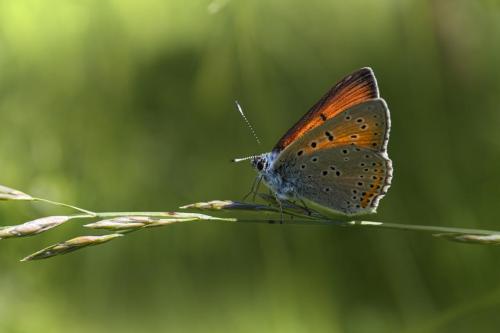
(263, 162)
(260, 162)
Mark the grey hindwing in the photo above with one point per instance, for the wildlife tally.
(346, 179)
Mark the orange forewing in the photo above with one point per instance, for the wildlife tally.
(371, 134)
(353, 89)
(365, 125)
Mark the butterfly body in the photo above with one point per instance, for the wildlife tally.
(274, 177)
(335, 156)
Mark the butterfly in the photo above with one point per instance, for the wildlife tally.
(335, 156)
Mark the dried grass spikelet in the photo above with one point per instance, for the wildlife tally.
(32, 228)
(492, 239)
(7, 193)
(136, 222)
(70, 246)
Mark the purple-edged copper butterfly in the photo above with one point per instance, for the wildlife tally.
(335, 156)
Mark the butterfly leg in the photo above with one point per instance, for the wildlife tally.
(254, 189)
(309, 212)
(280, 206)
(251, 189)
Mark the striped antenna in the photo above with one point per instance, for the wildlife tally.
(248, 123)
(236, 160)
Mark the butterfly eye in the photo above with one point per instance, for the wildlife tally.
(260, 166)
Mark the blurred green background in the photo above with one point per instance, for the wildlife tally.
(129, 105)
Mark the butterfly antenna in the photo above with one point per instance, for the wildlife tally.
(248, 123)
(236, 160)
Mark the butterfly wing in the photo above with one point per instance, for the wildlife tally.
(365, 125)
(353, 186)
(342, 164)
(355, 88)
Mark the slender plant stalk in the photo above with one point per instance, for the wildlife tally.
(60, 204)
(122, 223)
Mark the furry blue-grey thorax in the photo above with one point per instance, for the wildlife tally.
(264, 164)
